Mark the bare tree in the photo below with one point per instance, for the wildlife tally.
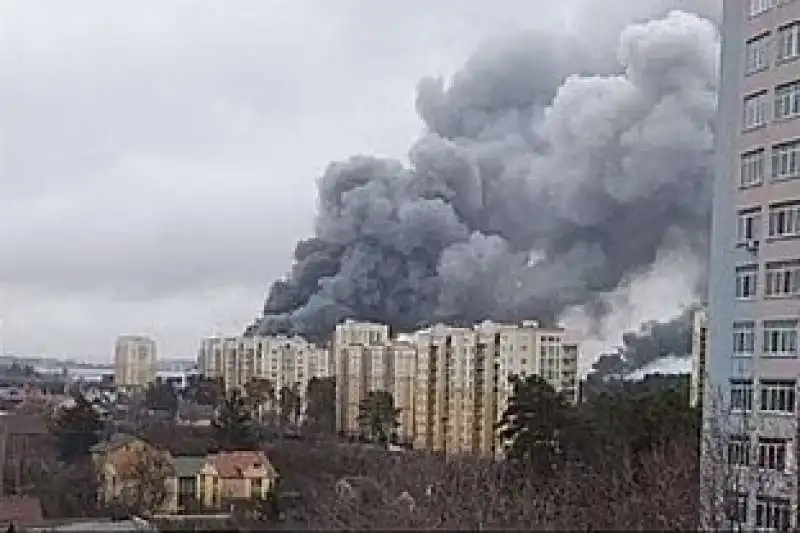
(425, 491)
(731, 468)
(142, 477)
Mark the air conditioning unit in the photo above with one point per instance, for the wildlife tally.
(751, 245)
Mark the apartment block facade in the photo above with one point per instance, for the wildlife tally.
(286, 361)
(135, 362)
(368, 360)
(463, 380)
(450, 385)
(754, 279)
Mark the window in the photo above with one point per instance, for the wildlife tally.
(784, 219)
(739, 450)
(256, 487)
(777, 396)
(741, 394)
(756, 54)
(755, 110)
(187, 485)
(747, 225)
(743, 338)
(787, 100)
(756, 7)
(736, 507)
(772, 453)
(772, 513)
(783, 279)
(746, 279)
(752, 171)
(786, 160)
(788, 45)
(780, 338)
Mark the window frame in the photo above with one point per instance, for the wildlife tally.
(746, 282)
(743, 390)
(772, 454)
(787, 42)
(786, 96)
(788, 153)
(757, 53)
(755, 110)
(744, 338)
(777, 396)
(752, 168)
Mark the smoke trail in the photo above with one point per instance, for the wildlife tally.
(534, 190)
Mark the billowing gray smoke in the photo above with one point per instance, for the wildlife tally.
(654, 340)
(534, 189)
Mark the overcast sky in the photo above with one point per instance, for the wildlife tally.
(158, 158)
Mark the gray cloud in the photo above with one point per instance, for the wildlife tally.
(157, 160)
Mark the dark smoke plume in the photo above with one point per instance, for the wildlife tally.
(654, 340)
(535, 188)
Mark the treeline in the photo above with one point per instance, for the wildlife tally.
(626, 460)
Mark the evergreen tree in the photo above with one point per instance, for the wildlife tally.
(162, 396)
(321, 410)
(77, 429)
(289, 404)
(377, 415)
(535, 424)
(234, 428)
(205, 391)
(260, 394)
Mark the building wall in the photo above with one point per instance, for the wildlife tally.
(450, 384)
(285, 361)
(135, 361)
(463, 380)
(757, 250)
(404, 357)
(365, 361)
(699, 379)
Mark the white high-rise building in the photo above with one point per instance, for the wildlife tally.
(135, 362)
(750, 444)
(364, 363)
(450, 385)
(463, 380)
(288, 362)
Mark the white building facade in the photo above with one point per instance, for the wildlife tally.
(287, 362)
(749, 459)
(135, 362)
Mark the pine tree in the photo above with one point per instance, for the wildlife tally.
(377, 415)
(534, 425)
(234, 428)
(321, 410)
(77, 429)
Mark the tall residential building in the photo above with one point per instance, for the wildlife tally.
(364, 363)
(754, 279)
(135, 362)
(404, 355)
(699, 356)
(286, 361)
(463, 386)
